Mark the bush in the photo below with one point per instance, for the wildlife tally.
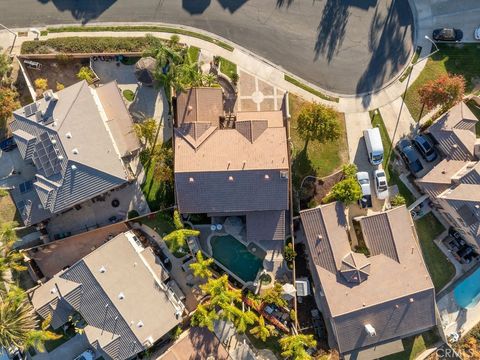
(398, 200)
(426, 125)
(133, 214)
(129, 95)
(87, 74)
(347, 191)
(63, 58)
(101, 44)
(41, 84)
(289, 253)
(60, 86)
(349, 170)
(235, 78)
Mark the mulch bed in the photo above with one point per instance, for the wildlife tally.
(317, 189)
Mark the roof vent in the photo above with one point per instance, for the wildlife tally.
(320, 237)
(60, 157)
(68, 135)
(140, 324)
(230, 178)
(477, 206)
(73, 167)
(102, 269)
(411, 300)
(284, 174)
(75, 151)
(190, 108)
(53, 290)
(191, 180)
(121, 296)
(53, 141)
(370, 330)
(455, 146)
(444, 171)
(267, 176)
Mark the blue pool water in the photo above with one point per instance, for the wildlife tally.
(467, 293)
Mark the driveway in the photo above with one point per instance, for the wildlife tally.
(355, 124)
(344, 46)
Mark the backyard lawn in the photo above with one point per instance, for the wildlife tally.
(7, 209)
(440, 269)
(158, 193)
(317, 159)
(454, 59)
(415, 345)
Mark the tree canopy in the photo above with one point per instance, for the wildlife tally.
(318, 122)
(446, 90)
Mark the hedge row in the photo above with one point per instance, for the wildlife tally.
(73, 45)
(145, 28)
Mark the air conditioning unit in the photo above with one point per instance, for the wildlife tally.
(370, 330)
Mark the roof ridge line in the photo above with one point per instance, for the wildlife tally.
(71, 104)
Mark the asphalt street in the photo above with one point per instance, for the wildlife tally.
(345, 46)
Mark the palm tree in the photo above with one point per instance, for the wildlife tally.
(177, 238)
(18, 323)
(220, 293)
(204, 317)
(240, 318)
(201, 267)
(10, 259)
(274, 296)
(147, 131)
(294, 346)
(262, 331)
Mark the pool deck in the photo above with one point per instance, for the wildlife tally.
(455, 319)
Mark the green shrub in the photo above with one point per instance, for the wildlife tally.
(398, 200)
(289, 253)
(101, 44)
(129, 94)
(133, 214)
(41, 84)
(87, 74)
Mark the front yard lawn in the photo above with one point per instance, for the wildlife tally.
(227, 67)
(316, 159)
(193, 53)
(454, 59)
(415, 345)
(440, 269)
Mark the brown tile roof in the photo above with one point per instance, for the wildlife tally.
(196, 344)
(455, 132)
(251, 129)
(393, 275)
(119, 121)
(199, 105)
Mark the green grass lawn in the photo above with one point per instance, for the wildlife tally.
(305, 87)
(377, 121)
(193, 53)
(159, 194)
(454, 59)
(476, 111)
(227, 67)
(317, 159)
(415, 345)
(129, 95)
(440, 269)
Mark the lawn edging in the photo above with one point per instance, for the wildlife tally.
(311, 90)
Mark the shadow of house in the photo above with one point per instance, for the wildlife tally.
(195, 7)
(82, 10)
(391, 48)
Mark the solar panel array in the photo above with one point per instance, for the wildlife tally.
(31, 109)
(46, 155)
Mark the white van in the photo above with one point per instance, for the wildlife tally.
(373, 142)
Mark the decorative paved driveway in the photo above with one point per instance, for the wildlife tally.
(255, 94)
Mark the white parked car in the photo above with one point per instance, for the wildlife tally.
(364, 181)
(477, 33)
(381, 185)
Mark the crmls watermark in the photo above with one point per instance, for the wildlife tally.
(448, 353)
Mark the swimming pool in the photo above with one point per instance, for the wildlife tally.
(235, 256)
(467, 293)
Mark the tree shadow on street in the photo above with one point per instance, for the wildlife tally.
(390, 41)
(195, 7)
(82, 10)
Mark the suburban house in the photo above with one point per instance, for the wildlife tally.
(231, 164)
(79, 141)
(369, 302)
(453, 184)
(121, 293)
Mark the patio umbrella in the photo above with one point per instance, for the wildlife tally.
(233, 225)
(144, 69)
(288, 291)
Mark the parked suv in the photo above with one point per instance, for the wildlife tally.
(425, 148)
(409, 156)
(364, 181)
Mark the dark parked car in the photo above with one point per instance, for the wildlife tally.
(425, 148)
(8, 144)
(409, 156)
(447, 34)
